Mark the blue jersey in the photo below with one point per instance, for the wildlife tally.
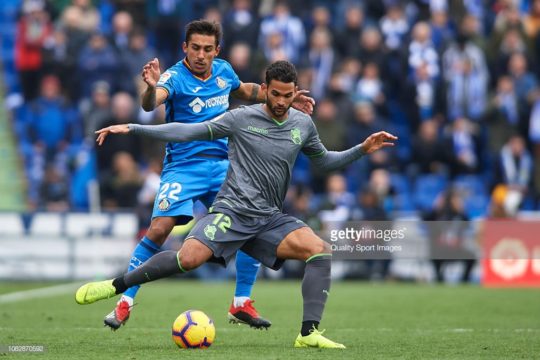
(192, 100)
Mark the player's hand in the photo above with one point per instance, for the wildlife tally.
(303, 103)
(151, 73)
(115, 129)
(377, 141)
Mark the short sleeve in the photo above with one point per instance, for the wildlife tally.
(222, 126)
(166, 81)
(235, 81)
(313, 147)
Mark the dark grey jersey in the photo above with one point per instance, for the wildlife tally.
(262, 153)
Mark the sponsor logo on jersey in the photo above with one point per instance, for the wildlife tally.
(296, 136)
(197, 104)
(196, 90)
(164, 205)
(257, 130)
(221, 83)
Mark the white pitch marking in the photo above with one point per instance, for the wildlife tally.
(39, 293)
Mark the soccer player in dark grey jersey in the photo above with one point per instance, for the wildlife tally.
(264, 141)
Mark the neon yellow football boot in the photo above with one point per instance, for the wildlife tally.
(316, 340)
(95, 291)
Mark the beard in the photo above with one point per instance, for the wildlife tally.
(277, 111)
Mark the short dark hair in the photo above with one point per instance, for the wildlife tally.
(282, 71)
(203, 27)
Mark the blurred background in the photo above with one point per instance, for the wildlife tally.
(456, 80)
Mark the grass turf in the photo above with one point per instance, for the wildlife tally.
(378, 321)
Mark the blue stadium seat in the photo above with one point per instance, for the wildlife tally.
(426, 190)
(472, 184)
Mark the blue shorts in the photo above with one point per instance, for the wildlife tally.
(186, 181)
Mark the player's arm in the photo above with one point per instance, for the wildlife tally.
(333, 160)
(216, 128)
(252, 92)
(154, 95)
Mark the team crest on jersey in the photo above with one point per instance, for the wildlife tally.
(164, 205)
(296, 136)
(221, 83)
(210, 231)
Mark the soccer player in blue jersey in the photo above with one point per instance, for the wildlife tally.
(194, 90)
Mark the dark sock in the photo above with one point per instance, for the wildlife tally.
(307, 326)
(120, 285)
(315, 290)
(158, 266)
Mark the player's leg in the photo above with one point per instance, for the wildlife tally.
(303, 244)
(150, 244)
(209, 238)
(191, 255)
(241, 310)
(173, 206)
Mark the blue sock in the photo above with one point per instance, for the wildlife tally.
(246, 273)
(143, 251)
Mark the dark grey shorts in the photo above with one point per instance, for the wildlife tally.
(225, 232)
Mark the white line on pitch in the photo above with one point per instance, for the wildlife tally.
(39, 293)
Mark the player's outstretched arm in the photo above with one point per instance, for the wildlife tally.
(172, 132)
(153, 96)
(252, 92)
(333, 160)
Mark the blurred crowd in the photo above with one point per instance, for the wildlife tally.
(456, 80)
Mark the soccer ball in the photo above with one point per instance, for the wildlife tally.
(193, 329)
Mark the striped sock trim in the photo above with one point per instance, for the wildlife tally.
(180, 265)
(316, 256)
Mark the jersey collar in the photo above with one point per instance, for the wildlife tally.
(186, 64)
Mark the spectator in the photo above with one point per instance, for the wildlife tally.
(350, 34)
(53, 191)
(122, 28)
(33, 30)
(125, 180)
(525, 83)
(240, 25)
(321, 59)
(422, 51)
(394, 27)
(96, 110)
(290, 29)
(447, 228)
(503, 116)
(53, 123)
(98, 61)
(428, 150)
(463, 147)
(165, 18)
(337, 203)
(330, 125)
(423, 97)
(133, 59)
(514, 167)
(370, 86)
(123, 112)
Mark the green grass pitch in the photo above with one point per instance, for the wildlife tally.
(375, 321)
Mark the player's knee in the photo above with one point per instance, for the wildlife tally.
(319, 247)
(188, 262)
(158, 232)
